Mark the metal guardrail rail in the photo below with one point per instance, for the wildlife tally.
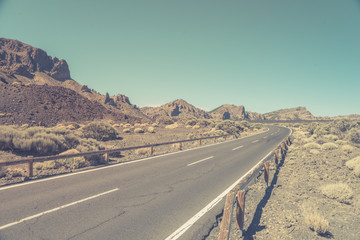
(236, 196)
(32, 160)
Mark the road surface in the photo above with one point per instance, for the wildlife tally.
(173, 196)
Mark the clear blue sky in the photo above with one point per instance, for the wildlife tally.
(266, 55)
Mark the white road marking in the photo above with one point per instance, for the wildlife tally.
(181, 230)
(255, 141)
(272, 134)
(56, 209)
(237, 148)
(200, 161)
(120, 164)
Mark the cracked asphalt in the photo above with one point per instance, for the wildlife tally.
(147, 199)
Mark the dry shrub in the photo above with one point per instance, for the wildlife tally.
(172, 126)
(331, 137)
(16, 172)
(312, 145)
(354, 136)
(196, 127)
(151, 129)
(329, 146)
(138, 130)
(307, 140)
(99, 131)
(90, 146)
(142, 151)
(127, 130)
(314, 151)
(341, 142)
(315, 221)
(339, 191)
(351, 164)
(348, 148)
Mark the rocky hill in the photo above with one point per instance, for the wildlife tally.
(235, 113)
(48, 105)
(22, 59)
(22, 64)
(290, 114)
(177, 108)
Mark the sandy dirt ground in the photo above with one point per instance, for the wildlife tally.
(312, 184)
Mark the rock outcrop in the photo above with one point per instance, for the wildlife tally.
(24, 60)
(290, 114)
(178, 108)
(235, 113)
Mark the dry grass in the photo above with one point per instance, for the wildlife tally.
(172, 126)
(348, 148)
(139, 130)
(329, 146)
(354, 164)
(312, 145)
(151, 129)
(142, 151)
(316, 222)
(339, 191)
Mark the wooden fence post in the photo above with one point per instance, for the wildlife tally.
(200, 142)
(240, 209)
(106, 157)
(151, 150)
(276, 157)
(30, 168)
(266, 173)
(180, 146)
(226, 219)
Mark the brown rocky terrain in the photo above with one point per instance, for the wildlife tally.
(48, 105)
(235, 113)
(178, 108)
(290, 114)
(22, 64)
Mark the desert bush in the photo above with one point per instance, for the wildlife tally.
(229, 127)
(16, 172)
(141, 151)
(172, 126)
(151, 129)
(99, 131)
(351, 164)
(354, 136)
(312, 145)
(195, 127)
(316, 222)
(331, 137)
(348, 148)
(339, 191)
(138, 130)
(329, 146)
(192, 122)
(164, 120)
(90, 146)
(341, 142)
(127, 130)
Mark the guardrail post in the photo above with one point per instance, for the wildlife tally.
(106, 157)
(180, 146)
(225, 222)
(200, 142)
(30, 168)
(266, 173)
(151, 150)
(276, 157)
(240, 209)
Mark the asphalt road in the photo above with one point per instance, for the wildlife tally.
(173, 196)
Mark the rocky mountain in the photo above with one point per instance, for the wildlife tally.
(235, 113)
(177, 108)
(290, 114)
(22, 64)
(22, 59)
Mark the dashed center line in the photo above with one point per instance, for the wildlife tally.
(255, 141)
(56, 209)
(200, 161)
(237, 148)
(265, 137)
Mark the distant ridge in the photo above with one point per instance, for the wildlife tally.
(235, 113)
(178, 108)
(290, 114)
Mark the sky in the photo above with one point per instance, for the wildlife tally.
(265, 55)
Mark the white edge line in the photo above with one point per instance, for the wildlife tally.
(190, 164)
(120, 164)
(237, 148)
(255, 141)
(181, 230)
(56, 209)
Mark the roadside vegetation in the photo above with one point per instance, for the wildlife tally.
(71, 138)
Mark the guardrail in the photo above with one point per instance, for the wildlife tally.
(32, 160)
(236, 196)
